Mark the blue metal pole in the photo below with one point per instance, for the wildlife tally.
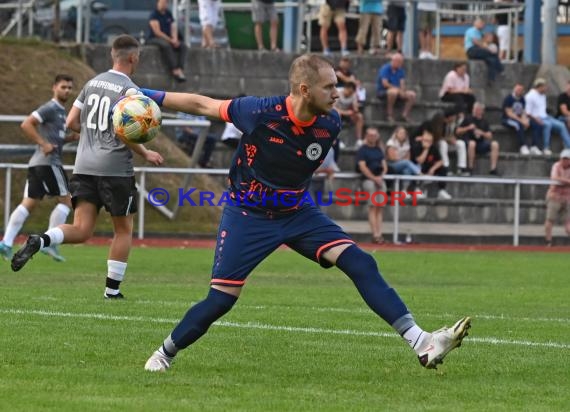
(532, 31)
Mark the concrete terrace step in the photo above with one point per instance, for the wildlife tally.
(472, 211)
(487, 234)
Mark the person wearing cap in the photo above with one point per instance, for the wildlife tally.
(540, 120)
(558, 196)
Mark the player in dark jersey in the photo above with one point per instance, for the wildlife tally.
(103, 175)
(45, 127)
(284, 141)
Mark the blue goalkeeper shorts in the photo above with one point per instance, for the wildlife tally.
(246, 237)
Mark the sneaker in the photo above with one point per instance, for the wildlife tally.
(53, 252)
(494, 172)
(117, 296)
(22, 256)
(5, 251)
(426, 55)
(344, 53)
(158, 362)
(442, 342)
(420, 194)
(450, 173)
(524, 150)
(465, 172)
(547, 152)
(443, 194)
(535, 151)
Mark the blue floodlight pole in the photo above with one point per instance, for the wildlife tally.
(290, 32)
(410, 46)
(550, 32)
(532, 31)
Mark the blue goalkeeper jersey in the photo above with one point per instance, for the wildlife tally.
(278, 153)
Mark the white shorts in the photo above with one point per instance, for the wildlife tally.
(209, 12)
(504, 35)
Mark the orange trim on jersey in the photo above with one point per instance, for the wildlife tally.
(297, 122)
(330, 244)
(223, 110)
(229, 282)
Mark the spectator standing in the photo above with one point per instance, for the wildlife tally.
(347, 106)
(396, 24)
(263, 11)
(476, 132)
(391, 85)
(563, 106)
(371, 164)
(231, 135)
(329, 11)
(209, 13)
(540, 120)
(477, 50)
(558, 196)
(370, 18)
(515, 118)
(164, 34)
(456, 88)
(426, 11)
(503, 31)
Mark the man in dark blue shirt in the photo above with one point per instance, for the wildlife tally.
(515, 118)
(391, 85)
(164, 33)
(285, 139)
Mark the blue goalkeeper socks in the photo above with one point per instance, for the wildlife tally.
(362, 269)
(156, 95)
(199, 318)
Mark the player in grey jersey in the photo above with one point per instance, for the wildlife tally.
(103, 175)
(45, 127)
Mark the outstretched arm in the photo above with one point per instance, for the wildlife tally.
(187, 102)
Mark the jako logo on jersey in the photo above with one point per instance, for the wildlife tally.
(314, 151)
(277, 140)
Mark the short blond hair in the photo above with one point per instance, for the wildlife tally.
(305, 69)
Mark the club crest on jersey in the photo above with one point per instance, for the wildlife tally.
(314, 151)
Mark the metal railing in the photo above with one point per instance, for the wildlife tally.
(143, 193)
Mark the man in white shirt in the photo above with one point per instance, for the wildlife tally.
(540, 120)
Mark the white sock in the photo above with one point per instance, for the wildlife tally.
(58, 215)
(15, 223)
(414, 336)
(55, 235)
(116, 270)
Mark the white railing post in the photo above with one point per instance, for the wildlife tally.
(142, 191)
(396, 212)
(516, 219)
(8, 186)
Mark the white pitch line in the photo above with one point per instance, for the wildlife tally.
(187, 304)
(250, 325)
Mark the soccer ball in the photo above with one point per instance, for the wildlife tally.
(136, 119)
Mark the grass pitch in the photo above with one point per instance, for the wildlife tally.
(299, 339)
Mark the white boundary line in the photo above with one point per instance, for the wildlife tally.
(250, 325)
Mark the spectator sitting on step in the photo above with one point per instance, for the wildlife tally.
(540, 121)
(344, 74)
(558, 196)
(515, 118)
(164, 34)
(398, 155)
(449, 142)
(347, 106)
(563, 106)
(187, 136)
(391, 86)
(477, 50)
(426, 155)
(231, 135)
(477, 134)
(456, 88)
(371, 164)
(491, 42)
